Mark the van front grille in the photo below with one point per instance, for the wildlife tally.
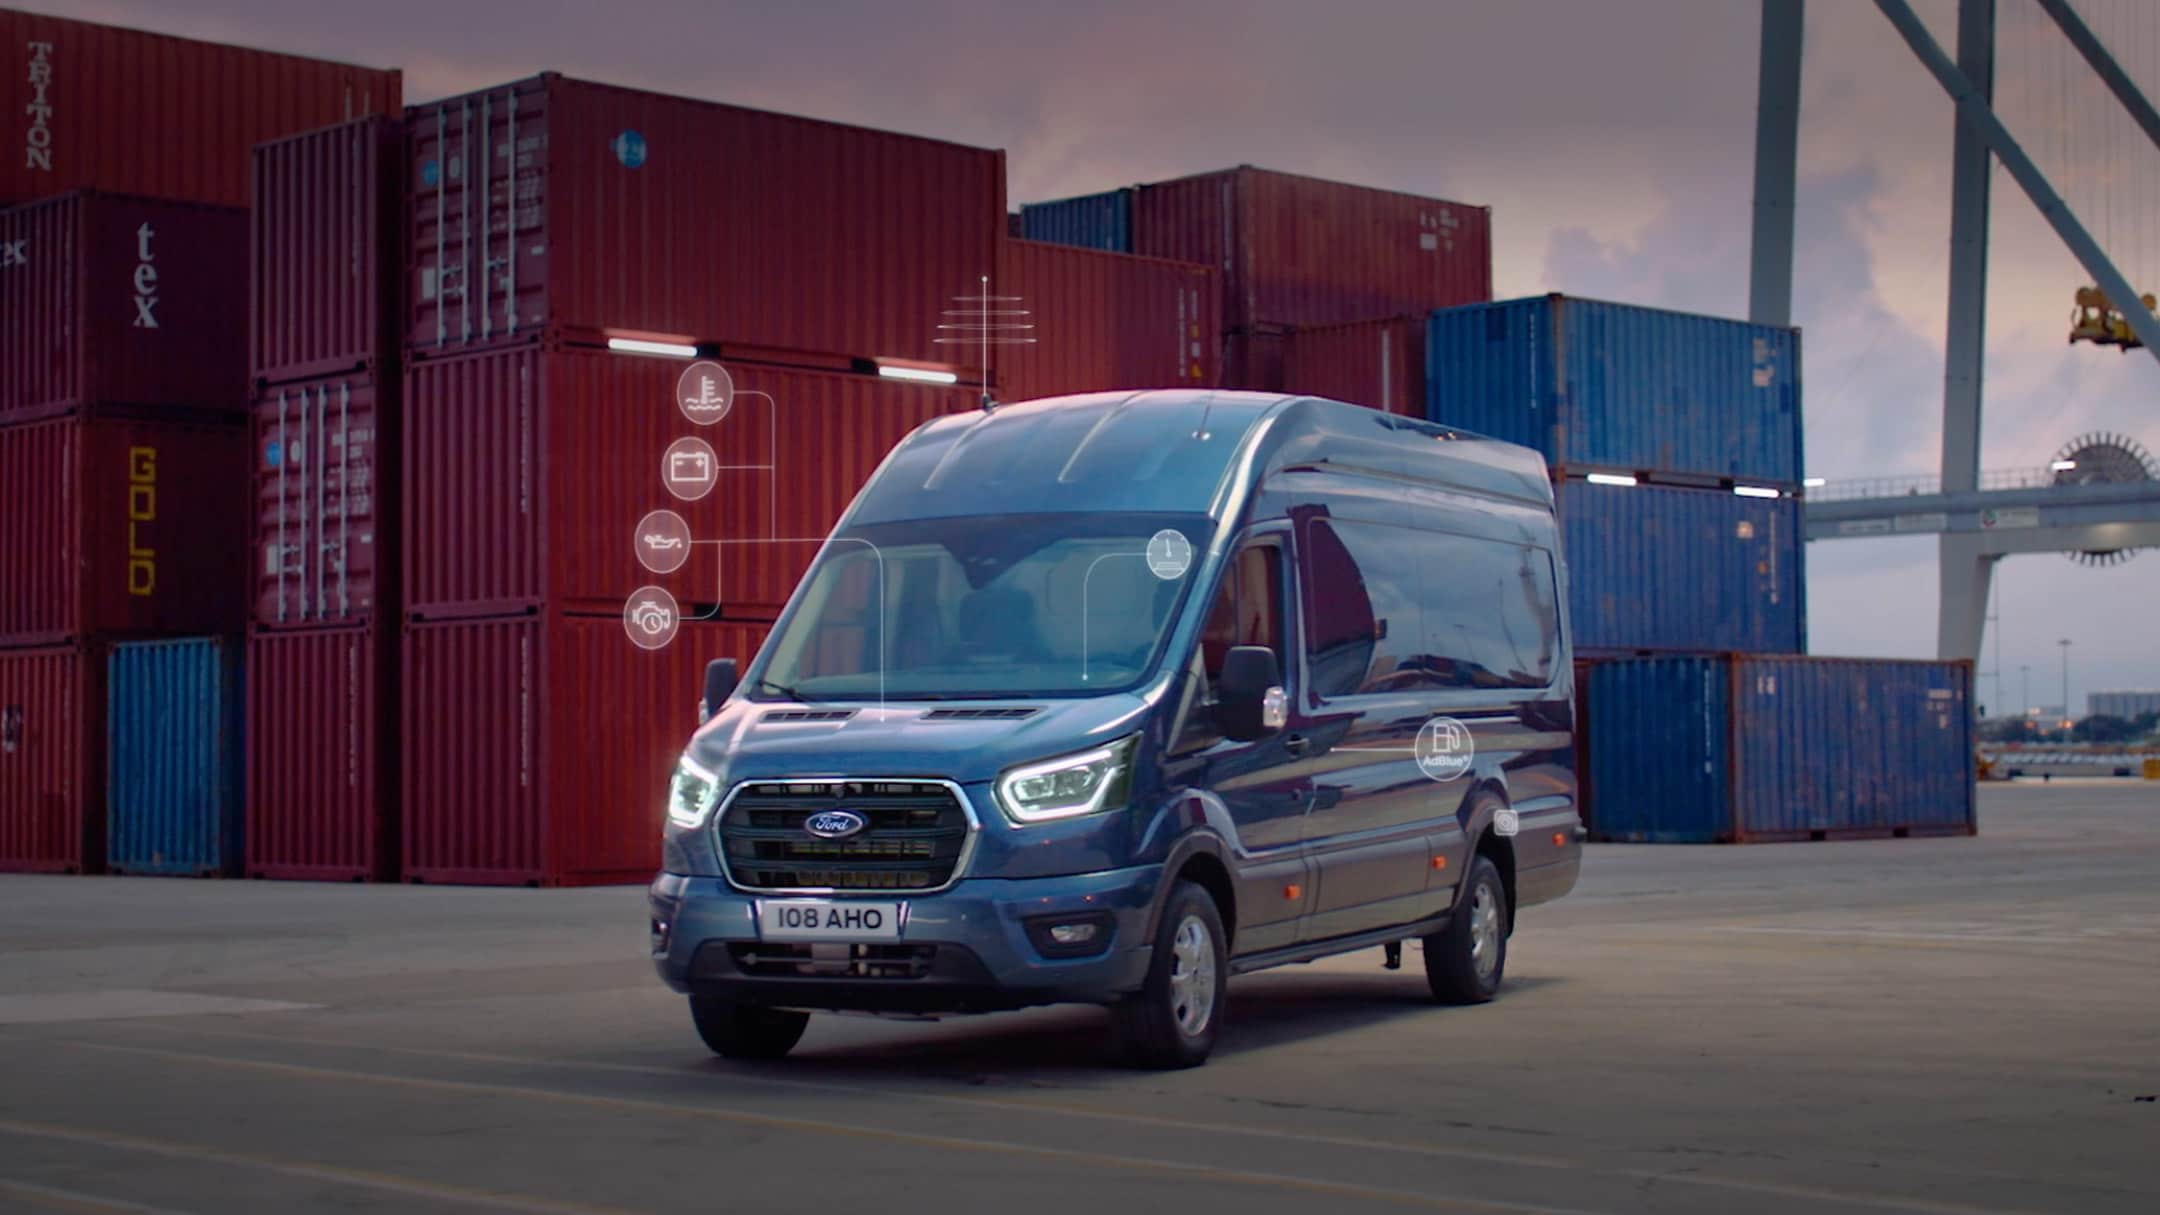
(915, 834)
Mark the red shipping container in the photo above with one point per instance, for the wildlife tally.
(538, 750)
(1376, 363)
(95, 106)
(1302, 251)
(567, 208)
(528, 473)
(52, 717)
(321, 760)
(1253, 359)
(121, 527)
(111, 299)
(326, 251)
(1103, 321)
(325, 504)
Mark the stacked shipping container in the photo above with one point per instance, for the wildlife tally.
(549, 220)
(1101, 321)
(97, 107)
(326, 266)
(122, 379)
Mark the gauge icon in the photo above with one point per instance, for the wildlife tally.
(1169, 554)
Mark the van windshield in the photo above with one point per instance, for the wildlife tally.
(982, 607)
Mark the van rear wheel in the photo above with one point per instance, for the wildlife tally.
(1171, 1022)
(743, 1031)
(1465, 961)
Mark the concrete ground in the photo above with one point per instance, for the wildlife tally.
(1935, 1026)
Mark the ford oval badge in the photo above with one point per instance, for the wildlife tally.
(835, 824)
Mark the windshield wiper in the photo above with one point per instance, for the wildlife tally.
(767, 685)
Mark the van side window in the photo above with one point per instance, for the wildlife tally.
(1247, 609)
(1398, 609)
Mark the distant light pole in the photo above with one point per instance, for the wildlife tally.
(2065, 644)
(2025, 689)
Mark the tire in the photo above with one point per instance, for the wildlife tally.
(1173, 1020)
(1466, 961)
(743, 1031)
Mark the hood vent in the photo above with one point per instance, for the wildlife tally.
(808, 715)
(979, 714)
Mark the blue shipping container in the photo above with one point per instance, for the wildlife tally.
(1654, 567)
(172, 791)
(1594, 385)
(1093, 221)
(1738, 748)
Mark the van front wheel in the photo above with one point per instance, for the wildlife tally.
(742, 1031)
(1171, 1022)
(1465, 961)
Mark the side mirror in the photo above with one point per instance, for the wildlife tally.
(720, 677)
(1249, 698)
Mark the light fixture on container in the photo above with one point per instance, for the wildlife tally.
(1610, 479)
(916, 373)
(1756, 491)
(671, 350)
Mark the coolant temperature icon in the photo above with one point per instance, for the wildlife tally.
(706, 392)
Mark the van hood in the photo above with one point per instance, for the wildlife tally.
(956, 740)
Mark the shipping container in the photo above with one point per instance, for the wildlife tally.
(1614, 387)
(325, 503)
(110, 299)
(1737, 748)
(121, 527)
(1301, 251)
(538, 750)
(321, 754)
(172, 767)
(1093, 221)
(99, 107)
(562, 208)
(1378, 363)
(1253, 359)
(530, 474)
(1655, 567)
(51, 711)
(1103, 321)
(326, 251)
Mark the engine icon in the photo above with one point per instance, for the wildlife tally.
(651, 618)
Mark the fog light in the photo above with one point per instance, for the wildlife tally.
(1071, 935)
(659, 936)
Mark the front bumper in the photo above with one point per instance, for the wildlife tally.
(975, 951)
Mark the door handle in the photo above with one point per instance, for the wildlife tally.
(1296, 744)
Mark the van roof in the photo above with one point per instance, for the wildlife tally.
(1172, 451)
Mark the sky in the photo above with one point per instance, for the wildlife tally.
(1613, 140)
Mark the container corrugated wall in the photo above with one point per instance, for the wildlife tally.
(529, 471)
(1654, 567)
(325, 543)
(1740, 748)
(1093, 221)
(321, 734)
(172, 776)
(1302, 251)
(121, 527)
(122, 301)
(326, 251)
(1380, 364)
(538, 749)
(640, 214)
(1595, 385)
(120, 109)
(1106, 321)
(48, 703)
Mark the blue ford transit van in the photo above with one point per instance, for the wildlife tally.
(1108, 698)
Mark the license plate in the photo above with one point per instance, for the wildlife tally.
(829, 920)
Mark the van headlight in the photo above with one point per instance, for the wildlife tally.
(691, 794)
(1070, 785)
